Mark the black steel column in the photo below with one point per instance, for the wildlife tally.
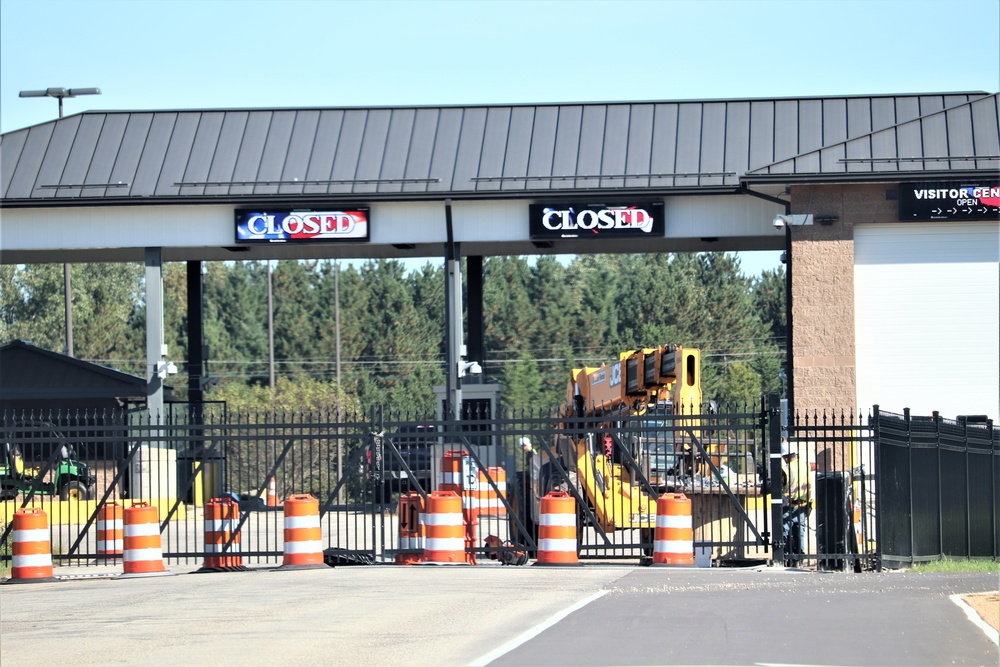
(789, 350)
(775, 486)
(474, 285)
(195, 340)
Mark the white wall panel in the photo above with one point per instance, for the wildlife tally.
(927, 322)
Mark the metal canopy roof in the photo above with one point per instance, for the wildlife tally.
(520, 151)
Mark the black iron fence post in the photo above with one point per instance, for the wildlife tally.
(940, 484)
(995, 548)
(909, 483)
(968, 484)
(775, 486)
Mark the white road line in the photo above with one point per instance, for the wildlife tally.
(535, 631)
(973, 615)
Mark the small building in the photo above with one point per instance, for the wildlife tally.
(33, 379)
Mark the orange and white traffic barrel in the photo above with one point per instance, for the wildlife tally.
(411, 529)
(673, 538)
(460, 475)
(303, 534)
(488, 500)
(222, 539)
(557, 538)
(143, 554)
(444, 529)
(450, 476)
(32, 547)
(110, 531)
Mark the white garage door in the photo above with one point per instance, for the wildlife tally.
(927, 303)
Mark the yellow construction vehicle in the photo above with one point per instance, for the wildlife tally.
(600, 453)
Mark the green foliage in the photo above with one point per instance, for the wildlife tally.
(542, 318)
(739, 385)
(32, 305)
(301, 395)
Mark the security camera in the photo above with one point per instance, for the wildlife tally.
(469, 368)
(792, 220)
(165, 368)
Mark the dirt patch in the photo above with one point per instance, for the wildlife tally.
(987, 605)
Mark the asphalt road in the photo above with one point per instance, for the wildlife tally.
(591, 615)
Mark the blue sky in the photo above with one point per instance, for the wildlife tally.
(183, 54)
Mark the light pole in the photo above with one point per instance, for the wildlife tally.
(60, 94)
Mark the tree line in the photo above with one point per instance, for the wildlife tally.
(542, 318)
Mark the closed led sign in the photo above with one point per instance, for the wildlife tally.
(324, 226)
(571, 220)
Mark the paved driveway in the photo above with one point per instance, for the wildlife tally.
(458, 615)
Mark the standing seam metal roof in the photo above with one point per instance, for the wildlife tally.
(489, 151)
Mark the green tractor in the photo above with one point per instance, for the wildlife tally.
(68, 477)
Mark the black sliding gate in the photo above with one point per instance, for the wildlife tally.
(358, 467)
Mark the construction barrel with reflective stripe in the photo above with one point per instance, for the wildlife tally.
(673, 539)
(486, 499)
(143, 554)
(450, 476)
(460, 475)
(411, 529)
(110, 531)
(557, 538)
(32, 547)
(303, 535)
(222, 539)
(444, 529)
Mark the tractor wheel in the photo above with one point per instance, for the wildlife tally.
(73, 491)
(92, 492)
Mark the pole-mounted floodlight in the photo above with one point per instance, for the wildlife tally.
(59, 94)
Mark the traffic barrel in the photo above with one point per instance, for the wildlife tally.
(303, 535)
(460, 475)
(110, 531)
(143, 554)
(444, 528)
(487, 500)
(673, 538)
(222, 539)
(557, 538)
(451, 477)
(411, 529)
(32, 548)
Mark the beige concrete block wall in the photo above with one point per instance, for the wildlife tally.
(823, 290)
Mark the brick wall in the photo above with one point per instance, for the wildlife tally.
(823, 289)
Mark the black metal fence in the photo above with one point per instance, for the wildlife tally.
(939, 486)
(838, 450)
(615, 466)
